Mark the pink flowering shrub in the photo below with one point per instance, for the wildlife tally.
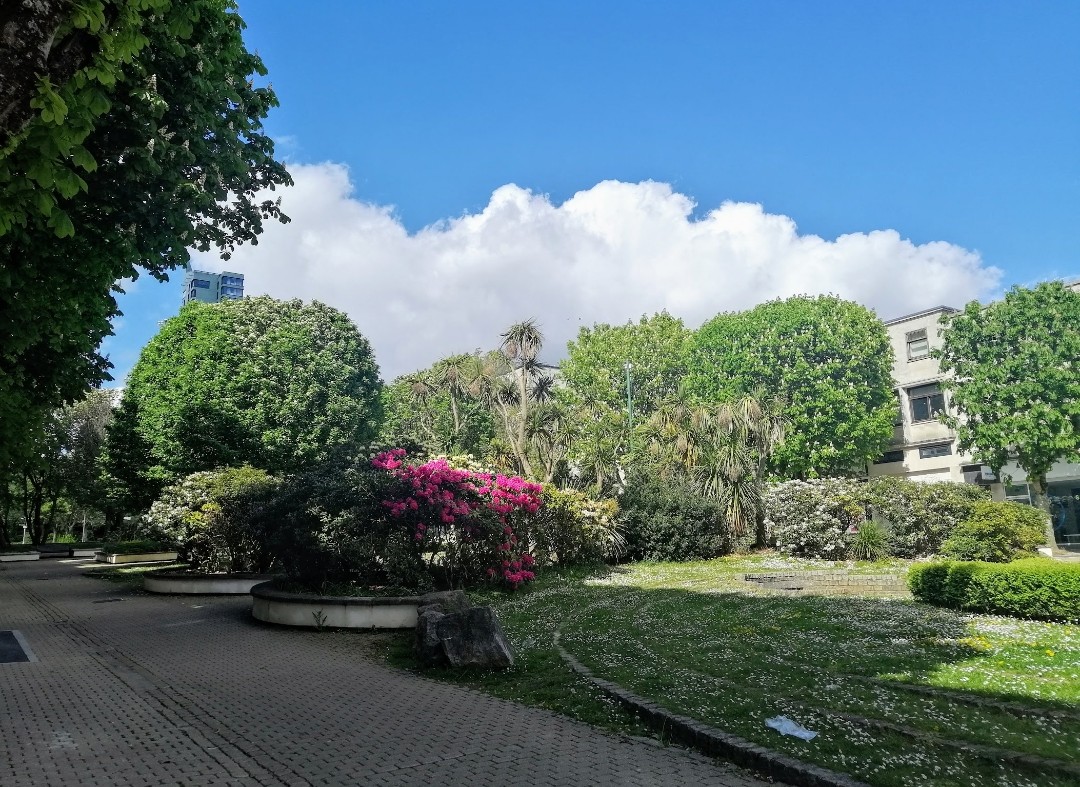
(468, 523)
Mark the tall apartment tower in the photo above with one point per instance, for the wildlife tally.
(212, 287)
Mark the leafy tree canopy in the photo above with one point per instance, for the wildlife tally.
(594, 370)
(58, 59)
(439, 409)
(593, 397)
(1015, 383)
(63, 472)
(280, 385)
(829, 361)
(153, 148)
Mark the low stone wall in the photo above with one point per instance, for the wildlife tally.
(186, 583)
(18, 557)
(830, 583)
(309, 611)
(144, 557)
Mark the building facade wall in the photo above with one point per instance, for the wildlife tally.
(922, 448)
(918, 447)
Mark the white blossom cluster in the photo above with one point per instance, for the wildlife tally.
(170, 517)
(812, 518)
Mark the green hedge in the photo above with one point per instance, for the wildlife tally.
(136, 547)
(1032, 588)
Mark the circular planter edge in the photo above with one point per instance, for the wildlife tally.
(311, 611)
(195, 584)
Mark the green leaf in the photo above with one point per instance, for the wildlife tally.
(82, 157)
(62, 225)
(45, 203)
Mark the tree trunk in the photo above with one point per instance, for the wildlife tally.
(518, 440)
(761, 536)
(37, 522)
(457, 420)
(1042, 502)
(523, 416)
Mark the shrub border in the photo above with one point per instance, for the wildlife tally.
(949, 584)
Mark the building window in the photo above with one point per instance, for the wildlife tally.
(202, 284)
(927, 402)
(978, 474)
(931, 451)
(918, 346)
(889, 457)
(1018, 493)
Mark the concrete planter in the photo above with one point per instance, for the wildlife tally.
(142, 557)
(18, 557)
(87, 552)
(353, 612)
(191, 583)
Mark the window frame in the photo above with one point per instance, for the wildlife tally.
(919, 337)
(928, 451)
(885, 460)
(928, 398)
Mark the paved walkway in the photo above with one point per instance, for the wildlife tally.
(132, 689)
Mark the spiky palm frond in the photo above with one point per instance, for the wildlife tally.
(506, 393)
(522, 341)
(457, 373)
(420, 386)
(543, 388)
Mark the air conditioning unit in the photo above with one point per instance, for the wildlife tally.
(987, 474)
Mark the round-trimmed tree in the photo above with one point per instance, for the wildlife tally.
(829, 361)
(279, 385)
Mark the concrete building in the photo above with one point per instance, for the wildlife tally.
(212, 287)
(924, 449)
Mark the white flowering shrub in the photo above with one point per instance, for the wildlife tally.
(214, 518)
(169, 518)
(812, 518)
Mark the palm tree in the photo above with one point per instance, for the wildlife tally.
(549, 438)
(456, 376)
(768, 427)
(522, 341)
(723, 448)
(520, 348)
(599, 440)
(669, 436)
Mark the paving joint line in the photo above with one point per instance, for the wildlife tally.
(185, 721)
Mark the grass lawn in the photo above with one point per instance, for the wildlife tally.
(900, 693)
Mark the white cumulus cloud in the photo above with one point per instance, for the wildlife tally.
(608, 254)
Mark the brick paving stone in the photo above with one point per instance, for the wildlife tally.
(133, 690)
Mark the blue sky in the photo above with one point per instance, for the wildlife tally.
(953, 125)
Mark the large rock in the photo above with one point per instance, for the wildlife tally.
(469, 638)
(429, 647)
(445, 601)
